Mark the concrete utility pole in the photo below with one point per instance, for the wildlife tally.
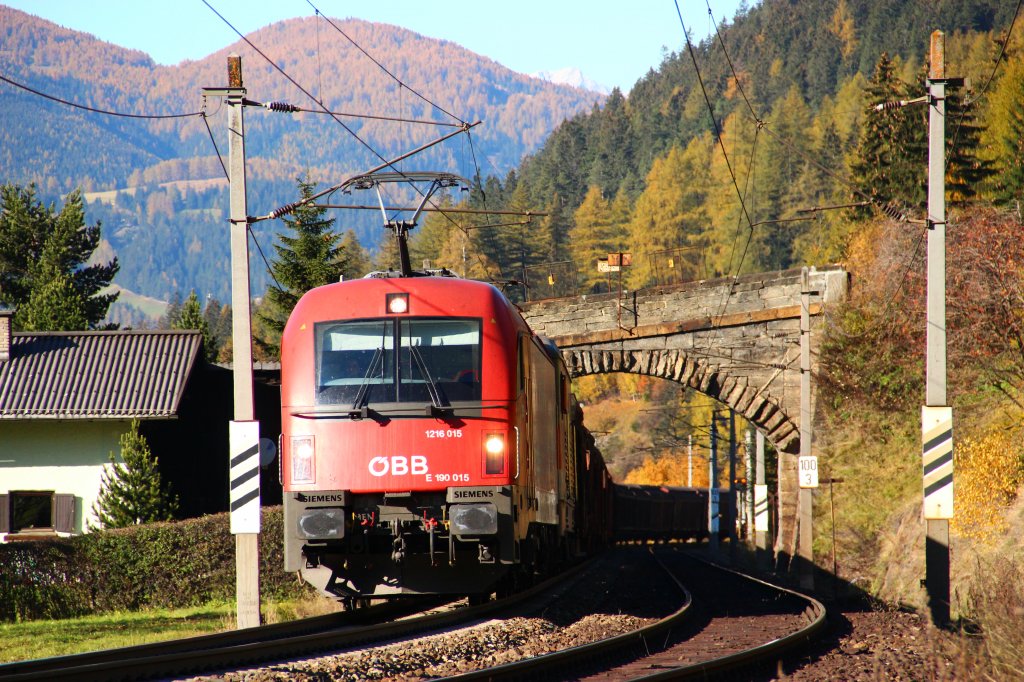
(936, 416)
(243, 456)
(808, 463)
(760, 503)
(732, 478)
(713, 486)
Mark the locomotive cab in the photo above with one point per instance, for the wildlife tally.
(403, 457)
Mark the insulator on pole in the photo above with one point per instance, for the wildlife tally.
(281, 106)
(284, 210)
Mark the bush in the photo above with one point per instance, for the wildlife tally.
(989, 471)
(163, 565)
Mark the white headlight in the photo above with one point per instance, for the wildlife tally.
(302, 452)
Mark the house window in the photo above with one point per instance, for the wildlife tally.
(36, 510)
(31, 510)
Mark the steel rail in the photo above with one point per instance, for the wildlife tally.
(768, 652)
(585, 654)
(45, 668)
(195, 655)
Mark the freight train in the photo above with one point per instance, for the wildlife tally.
(431, 444)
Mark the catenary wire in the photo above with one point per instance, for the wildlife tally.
(94, 110)
(984, 88)
(711, 111)
(364, 143)
(382, 67)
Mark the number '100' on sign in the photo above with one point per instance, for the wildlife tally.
(808, 470)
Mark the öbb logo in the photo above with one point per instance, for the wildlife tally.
(398, 465)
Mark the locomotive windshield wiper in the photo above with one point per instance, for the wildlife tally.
(364, 389)
(439, 402)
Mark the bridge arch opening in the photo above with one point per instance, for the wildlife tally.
(754, 405)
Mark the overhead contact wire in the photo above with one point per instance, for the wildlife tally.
(381, 66)
(386, 163)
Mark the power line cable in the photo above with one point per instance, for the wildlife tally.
(386, 163)
(291, 80)
(381, 66)
(984, 89)
(214, 141)
(256, 241)
(886, 208)
(94, 110)
(711, 111)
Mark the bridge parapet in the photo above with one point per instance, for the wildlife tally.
(701, 303)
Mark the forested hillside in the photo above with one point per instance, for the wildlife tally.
(792, 86)
(157, 186)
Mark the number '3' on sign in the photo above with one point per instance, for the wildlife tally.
(808, 471)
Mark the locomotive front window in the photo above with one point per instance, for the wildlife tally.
(356, 361)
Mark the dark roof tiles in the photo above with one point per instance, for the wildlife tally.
(97, 375)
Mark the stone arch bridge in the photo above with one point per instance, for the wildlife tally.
(736, 340)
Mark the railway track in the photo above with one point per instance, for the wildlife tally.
(625, 616)
(281, 641)
(726, 624)
(182, 656)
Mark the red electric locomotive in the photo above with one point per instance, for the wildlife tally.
(428, 441)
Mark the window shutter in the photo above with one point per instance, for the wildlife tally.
(5, 514)
(64, 513)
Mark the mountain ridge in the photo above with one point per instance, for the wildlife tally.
(173, 230)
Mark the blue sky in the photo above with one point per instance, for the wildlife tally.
(613, 42)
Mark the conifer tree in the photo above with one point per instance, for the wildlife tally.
(172, 313)
(670, 213)
(593, 236)
(131, 491)
(54, 303)
(966, 171)
(1004, 136)
(191, 317)
(308, 257)
(43, 255)
(356, 263)
(889, 163)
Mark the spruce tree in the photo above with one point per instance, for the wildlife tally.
(42, 251)
(190, 316)
(890, 162)
(308, 257)
(131, 491)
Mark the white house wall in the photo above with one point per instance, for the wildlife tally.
(59, 456)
